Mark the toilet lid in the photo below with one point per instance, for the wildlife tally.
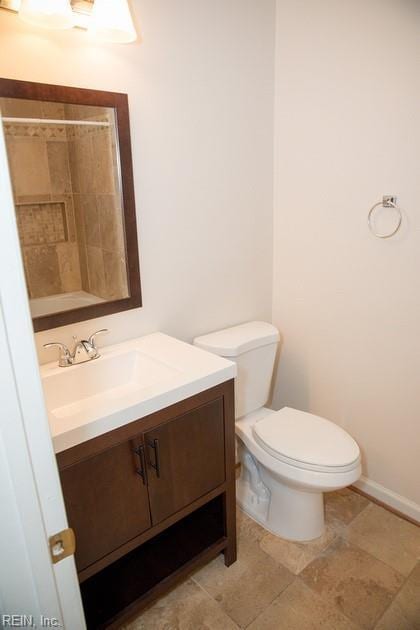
(306, 439)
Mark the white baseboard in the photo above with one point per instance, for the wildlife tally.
(390, 498)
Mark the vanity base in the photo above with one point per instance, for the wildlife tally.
(119, 592)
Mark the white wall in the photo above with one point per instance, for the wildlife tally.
(348, 304)
(200, 88)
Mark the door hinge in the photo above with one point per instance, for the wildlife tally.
(62, 545)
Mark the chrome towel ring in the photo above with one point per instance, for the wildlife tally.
(388, 201)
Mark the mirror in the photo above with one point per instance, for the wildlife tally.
(69, 156)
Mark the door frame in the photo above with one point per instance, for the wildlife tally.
(30, 490)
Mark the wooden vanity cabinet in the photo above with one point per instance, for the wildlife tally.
(105, 503)
(186, 459)
(128, 486)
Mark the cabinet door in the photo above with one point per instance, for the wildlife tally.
(185, 459)
(106, 501)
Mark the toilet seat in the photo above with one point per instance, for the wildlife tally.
(306, 441)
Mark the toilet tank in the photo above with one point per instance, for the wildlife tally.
(252, 346)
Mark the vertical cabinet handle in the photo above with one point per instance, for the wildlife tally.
(142, 470)
(154, 444)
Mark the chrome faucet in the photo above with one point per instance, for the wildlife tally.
(83, 350)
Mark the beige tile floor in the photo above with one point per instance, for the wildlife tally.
(363, 574)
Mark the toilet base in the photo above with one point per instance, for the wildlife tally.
(284, 510)
(254, 506)
(288, 513)
(294, 514)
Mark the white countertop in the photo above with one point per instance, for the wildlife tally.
(129, 381)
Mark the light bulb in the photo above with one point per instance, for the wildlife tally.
(111, 21)
(56, 14)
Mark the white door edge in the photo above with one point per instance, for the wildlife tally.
(29, 483)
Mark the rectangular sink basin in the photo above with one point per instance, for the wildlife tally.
(90, 386)
(129, 381)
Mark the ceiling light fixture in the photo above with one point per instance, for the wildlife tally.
(111, 21)
(55, 14)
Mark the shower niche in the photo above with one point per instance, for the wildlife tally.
(70, 162)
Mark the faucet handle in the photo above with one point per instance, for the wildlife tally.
(91, 339)
(65, 358)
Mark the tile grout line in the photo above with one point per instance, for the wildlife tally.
(273, 600)
(370, 553)
(341, 535)
(268, 604)
(397, 592)
(214, 600)
(389, 566)
(341, 612)
(338, 537)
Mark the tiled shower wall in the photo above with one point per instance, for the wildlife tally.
(97, 204)
(38, 159)
(67, 202)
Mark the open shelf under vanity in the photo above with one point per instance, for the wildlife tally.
(127, 585)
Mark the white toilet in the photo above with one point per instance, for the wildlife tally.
(289, 457)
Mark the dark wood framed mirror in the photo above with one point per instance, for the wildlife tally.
(69, 152)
